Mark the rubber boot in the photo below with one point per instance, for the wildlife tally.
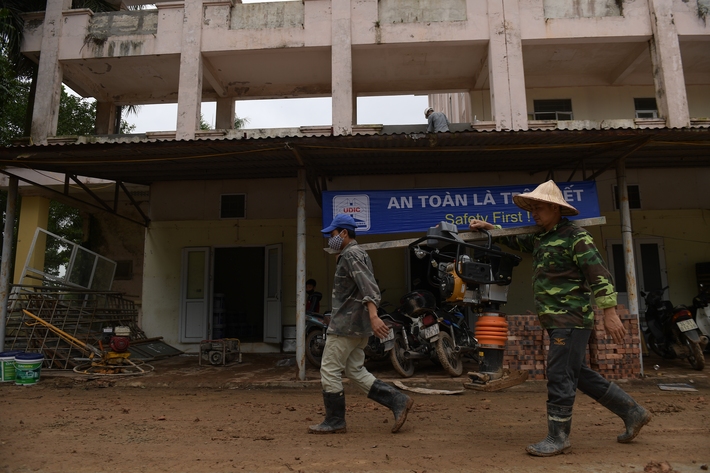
(398, 402)
(623, 405)
(559, 423)
(334, 422)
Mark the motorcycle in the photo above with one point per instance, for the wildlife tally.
(701, 312)
(378, 349)
(671, 331)
(316, 332)
(316, 328)
(439, 334)
(411, 340)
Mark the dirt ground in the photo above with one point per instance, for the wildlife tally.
(253, 417)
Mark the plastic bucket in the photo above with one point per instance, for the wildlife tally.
(7, 365)
(27, 368)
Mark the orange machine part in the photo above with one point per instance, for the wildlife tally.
(492, 330)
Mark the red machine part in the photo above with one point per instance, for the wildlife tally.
(429, 319)
(119, 344)
(492, 329)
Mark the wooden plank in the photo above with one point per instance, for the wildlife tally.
(445, 392)
(474, 236)
(509, 379)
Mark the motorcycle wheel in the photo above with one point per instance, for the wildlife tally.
(653, 345)
(696, 357)
(450, 360)
(403, 366)
(314, 350)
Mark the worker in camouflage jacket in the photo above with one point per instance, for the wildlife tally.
(567, 271)
(353, 320)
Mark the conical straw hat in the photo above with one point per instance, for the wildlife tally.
(547, 192)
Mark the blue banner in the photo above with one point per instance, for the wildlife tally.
(415, 210)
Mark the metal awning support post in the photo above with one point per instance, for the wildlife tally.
(301, 275)
(5, 263)
(628, 245)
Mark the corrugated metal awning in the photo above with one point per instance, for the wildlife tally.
(149, 161)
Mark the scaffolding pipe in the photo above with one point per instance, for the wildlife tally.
(301, 276)
(7, 236)
(628, 246)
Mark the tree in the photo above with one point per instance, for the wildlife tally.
(239, 123)
(77, 116)
(11, 34)
(13, 102)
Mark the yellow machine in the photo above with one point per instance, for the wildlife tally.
(113, 362)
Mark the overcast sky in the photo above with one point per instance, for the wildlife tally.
(290, 113)
(283, 113)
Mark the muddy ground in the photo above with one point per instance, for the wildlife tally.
(253, 417)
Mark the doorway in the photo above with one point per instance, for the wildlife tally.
(238, 288)
(649, 257)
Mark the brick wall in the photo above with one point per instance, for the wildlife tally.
(528, 344)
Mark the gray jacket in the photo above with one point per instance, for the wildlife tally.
(437, 122)
(353, 287)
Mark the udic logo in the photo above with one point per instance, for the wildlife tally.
(358, 206)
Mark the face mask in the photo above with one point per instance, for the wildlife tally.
(335, 242)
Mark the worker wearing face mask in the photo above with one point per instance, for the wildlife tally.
(354, 319)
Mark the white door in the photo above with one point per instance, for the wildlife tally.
(194, 299)
(272, 294)
(650, 268)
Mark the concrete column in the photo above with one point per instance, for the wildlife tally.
(190, 86)
(668, 77)
(342, 68)
(628, 245)
(224, 120)
(301, 275)
(34, 212)
(7, 236)
(505, 66)
(105, 118)
(516, 73)
(501, 110)
(49, 74)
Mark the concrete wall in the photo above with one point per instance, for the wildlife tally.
(416, 11)
(581, 8)
(593, 103)
(200, 200)
(120, 240)
(685, 234)
(496, 50)
(124, 23)
(254, 16)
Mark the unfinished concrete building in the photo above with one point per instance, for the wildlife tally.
(610, 91)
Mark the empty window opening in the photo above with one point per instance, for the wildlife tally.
(646, 108)
(634, 197)
(553, 109)
(233, 206)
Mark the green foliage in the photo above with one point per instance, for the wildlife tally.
(240, 123)
(66, 222)
(13, 102)
(77, 116)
